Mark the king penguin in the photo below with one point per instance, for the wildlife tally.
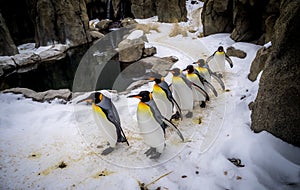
(218, 60)
(195, 77)
(163, 97)
(152, 124)
(207, 73)
(107, 118)
(182, 91)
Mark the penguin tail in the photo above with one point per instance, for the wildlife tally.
(170, 124)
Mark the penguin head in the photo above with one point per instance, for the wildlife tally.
(95, 97)
(175, 71)
(201, 62)
(156, 77)
(189, 69)
(220, 49)
(144, 96)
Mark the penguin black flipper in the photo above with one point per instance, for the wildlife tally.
(217, 78)
(170, 124)
(210, 57)
(112, 115)
(186, 81)
(211, 87)
(229, 60)
(202, 91)
(177, 107)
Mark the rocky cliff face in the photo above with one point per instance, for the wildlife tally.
(276, 108)
(167, 11)
(7, 46)
(246, 20)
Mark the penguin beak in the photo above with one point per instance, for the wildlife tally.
(134, 96)
(171, 71)
(151, 78)
(89, 99)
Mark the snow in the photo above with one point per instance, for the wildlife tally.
(36, 138)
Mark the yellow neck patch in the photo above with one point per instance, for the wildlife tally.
(98, 110)
(220, 53)
(157, 89)
(143, 107)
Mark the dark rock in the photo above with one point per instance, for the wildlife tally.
(217, 16)
(7, 64)
(149, 51)
(18, 19)
(62, 21)
(103, 25)
(231, 51)
(171, 11)
(247, 19)
(127, 22)
(167, 11)
(258, 63)
(7, 46)
(143, 8)
(276, 108)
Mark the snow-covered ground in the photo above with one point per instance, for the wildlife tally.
(58, 146)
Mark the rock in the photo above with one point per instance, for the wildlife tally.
(231, 51)
(172, 59)
(60, 21)
(159, 65)
(103, 25)
(258, 63)
(150, 51)
(7, 64)
(217, 16)
(127, 22)
(96, 34)
(26, 59)
(131, 49)
(7, 46)
(276, 107)
(171, 11)
(167, 11)
(247, 20)
(64, 94)
(143, 8)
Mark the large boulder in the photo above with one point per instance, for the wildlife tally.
(276, 108)
(7, 46)
(259, 63)
(131, 49)
(217, 16)
(60, 21)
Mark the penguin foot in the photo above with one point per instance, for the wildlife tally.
(176, 116)
(189, 114)
(121, 139)
(203, 104)
(155, 155)
(150, 151)
(107, 151)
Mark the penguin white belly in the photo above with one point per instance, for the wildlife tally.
(163, 104)
(218, 63)
(108, 129)
(198, 96)
(151, 131)
(183, 95)
(204, 72)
